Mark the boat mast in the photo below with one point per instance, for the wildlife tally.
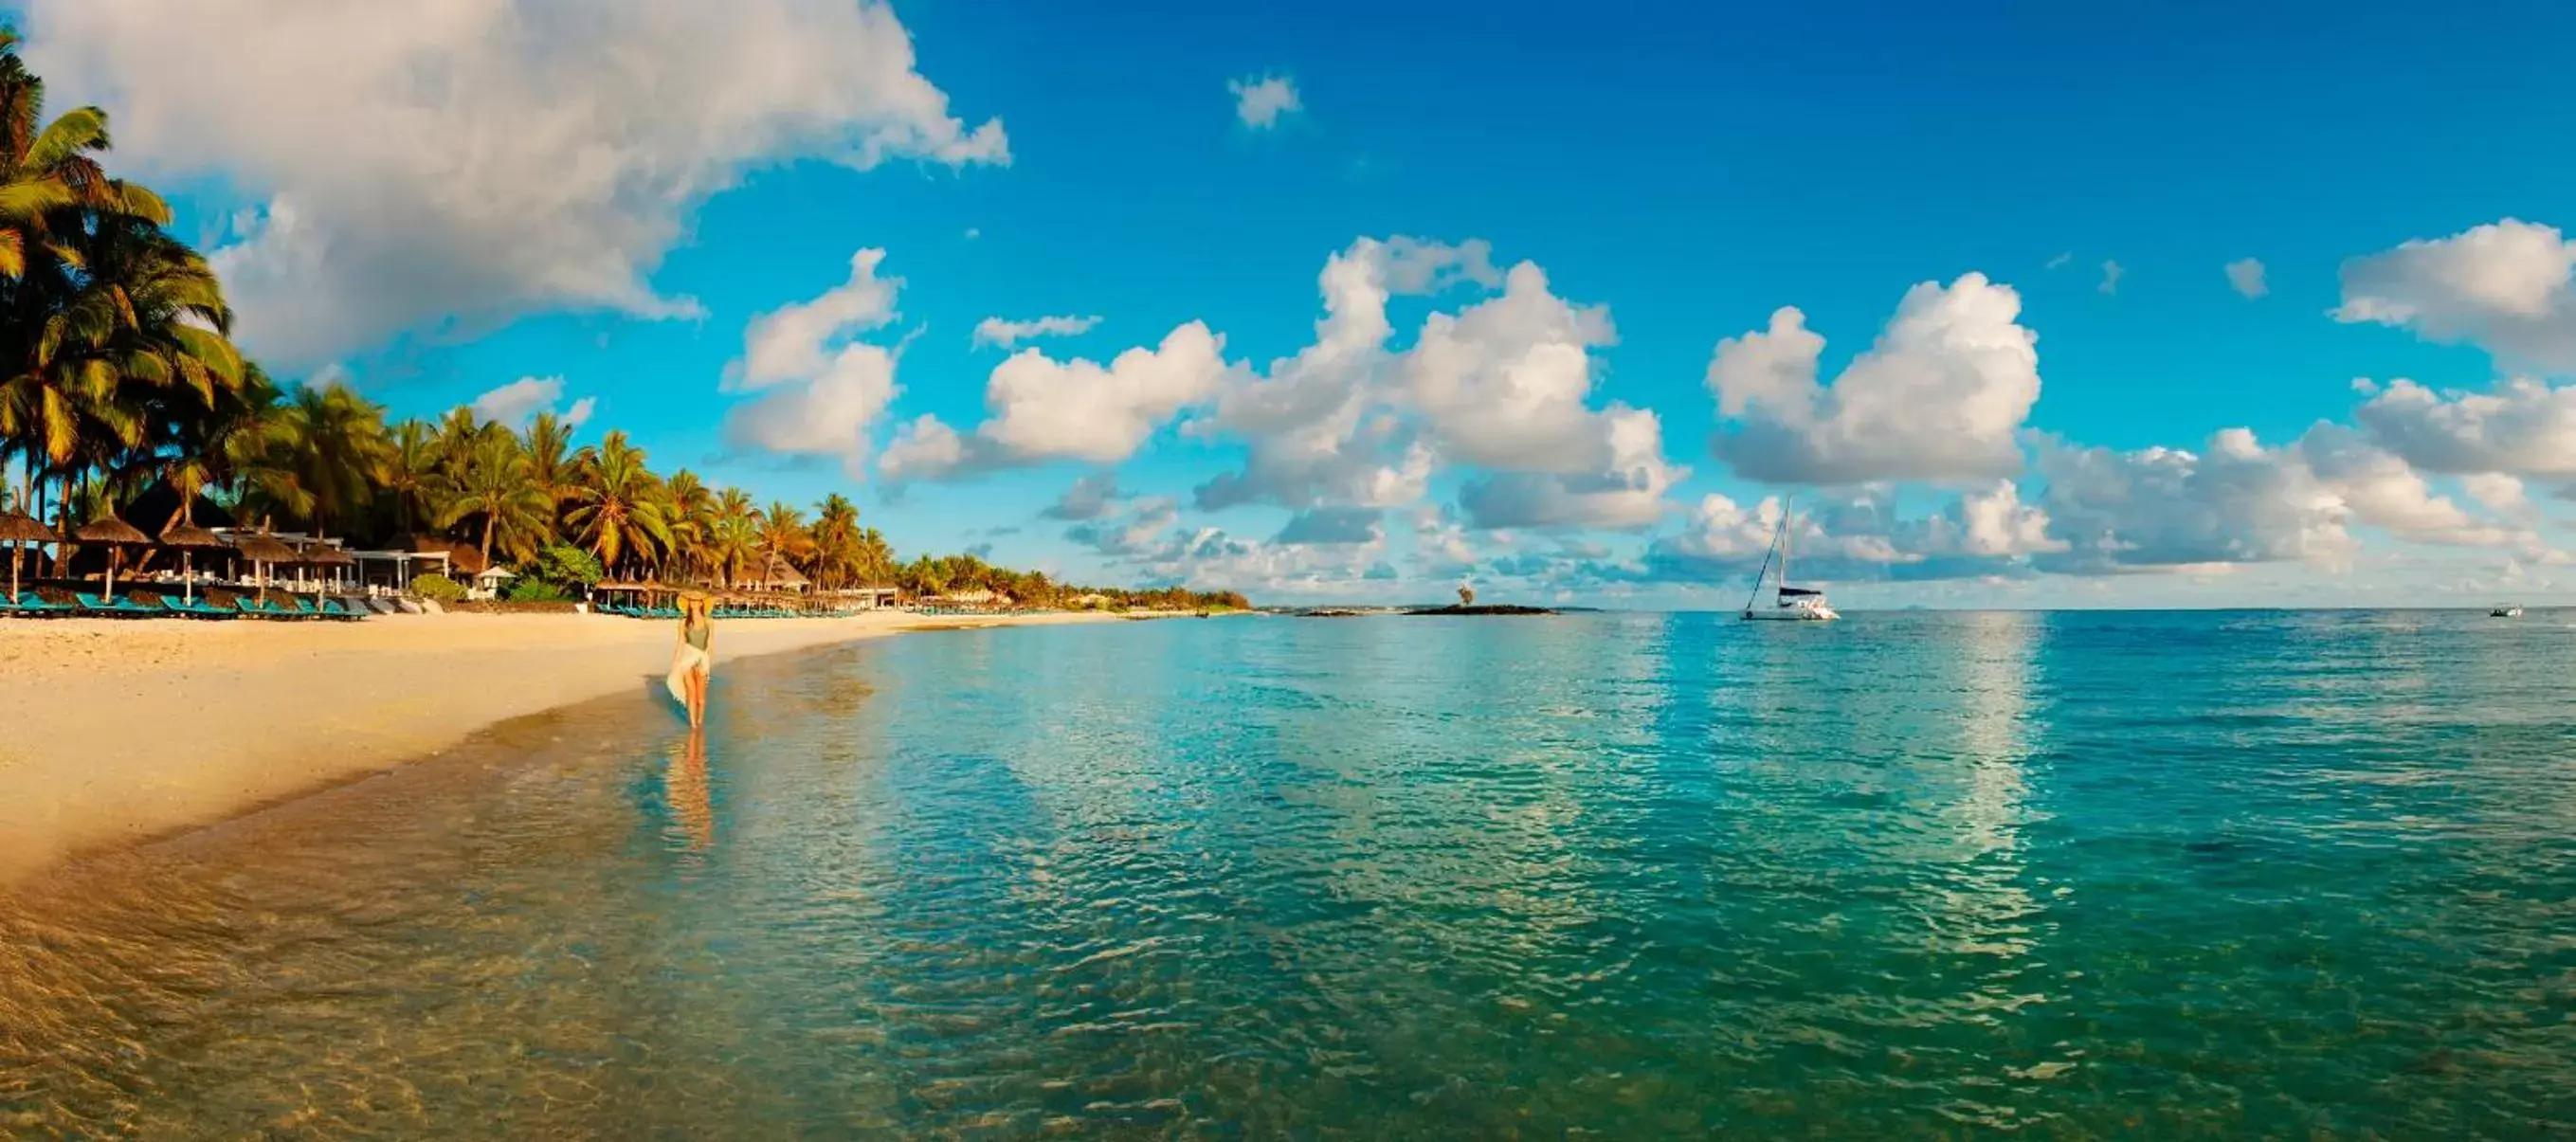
(1784, 540)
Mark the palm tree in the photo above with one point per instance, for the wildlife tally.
(617, 509)
(782, 536)
(692, 516)
(413, 477)
(835, 542)
(550, 459)
(735, 536)
(340, 452)
(496, 485)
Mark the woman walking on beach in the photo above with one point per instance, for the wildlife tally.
(695, 658)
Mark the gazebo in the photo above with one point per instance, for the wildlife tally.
(188, 538)
(18, 529)
(117, 535)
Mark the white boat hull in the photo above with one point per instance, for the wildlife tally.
(1792, 615)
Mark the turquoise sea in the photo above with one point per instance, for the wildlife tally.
(1601, 875)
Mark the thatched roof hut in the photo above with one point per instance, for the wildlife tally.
(780, 573)
(189, 535)
(109, 530)
(324, 555)
(261, 547)
(19, 527)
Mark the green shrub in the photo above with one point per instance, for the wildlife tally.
(565, 566)
(437, 588)
(535, 590)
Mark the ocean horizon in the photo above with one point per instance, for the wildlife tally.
(1907, 875)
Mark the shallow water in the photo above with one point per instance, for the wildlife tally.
(1628, 875)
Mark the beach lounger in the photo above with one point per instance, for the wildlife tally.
(30, 603)
(383, 606)
(344, 609)
(123, 608)
(257, 609)
(196, 610)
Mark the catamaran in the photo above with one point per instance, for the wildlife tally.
(2505, 611)
(1789, 604)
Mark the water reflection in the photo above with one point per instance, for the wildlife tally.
(684, 788)
(1629, 875)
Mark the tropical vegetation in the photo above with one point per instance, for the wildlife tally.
(118, 375)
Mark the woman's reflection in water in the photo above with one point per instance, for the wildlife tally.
(684, 785)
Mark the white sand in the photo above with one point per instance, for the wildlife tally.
(116, 731)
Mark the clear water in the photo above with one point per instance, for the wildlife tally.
(1613, 875)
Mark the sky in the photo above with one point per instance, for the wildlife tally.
(2017, 305)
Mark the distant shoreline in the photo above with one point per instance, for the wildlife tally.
(127, 731)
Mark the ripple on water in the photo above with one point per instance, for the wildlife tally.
(1921, 875)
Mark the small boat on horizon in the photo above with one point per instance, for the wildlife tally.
(1789, 604)
(2505, 611)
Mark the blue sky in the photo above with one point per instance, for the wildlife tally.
(413, 204)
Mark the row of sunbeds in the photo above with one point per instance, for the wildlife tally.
(721, 612)
(29, 604)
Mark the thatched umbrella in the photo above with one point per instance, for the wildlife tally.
(188, 537)
(322, 555)
(117, 535)
(262, 550)
(17, 528)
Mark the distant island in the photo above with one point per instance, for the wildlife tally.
(1453, 609)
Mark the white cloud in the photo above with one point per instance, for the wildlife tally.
(1940, 397)
(2111, 272)
(821, 391)
(1006, 333)
(1318, 426)
(798, 340)
(1334, 526)
(2499, 492)
(2504, 286)
(1261, 102)
(830, 414)
(422, 166)
(1090, 497)
(2245, 276)
(1043, 409)
(2522, 427)
(515, 403)
(1502, 386)
(2059, 262)
(1131, 534)
(2163, 508)
(2382, 490)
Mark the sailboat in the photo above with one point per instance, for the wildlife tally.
(1789, 604)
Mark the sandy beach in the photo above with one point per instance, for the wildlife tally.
(121, 731)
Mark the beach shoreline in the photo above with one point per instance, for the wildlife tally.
(123, 732)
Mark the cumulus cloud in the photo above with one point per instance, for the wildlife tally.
(2245, 276)
(1939, 397)
(1261, 102)
(2161, 508)
(797, 340)
(2111, 272)
(1005, 333)
(821, 391)
(579, 413)
(1333, 526)
(2381, 489)
(1317, 425)
(1503, 386)
(1089, 498)
(1043, 409)
(828, 415)
(514, 404)
(2503, 286)
(415, 166)
(1132, 533)
(2519, 427)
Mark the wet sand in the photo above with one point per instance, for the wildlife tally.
(117, 732)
